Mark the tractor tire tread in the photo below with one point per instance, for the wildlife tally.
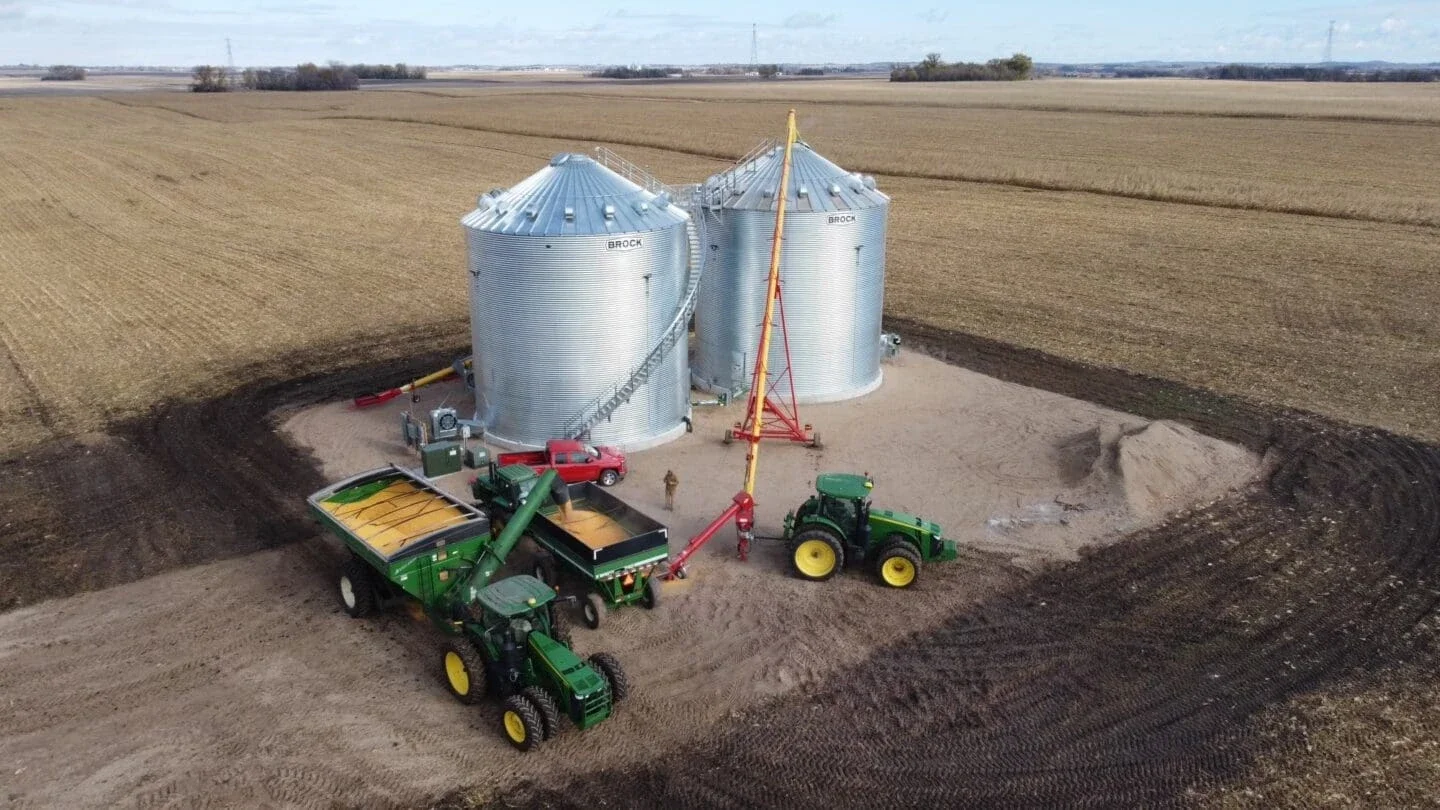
(548, 710)
(613, 673)
(362, 584)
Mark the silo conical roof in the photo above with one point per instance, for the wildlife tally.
(573, 195)
(816, 184)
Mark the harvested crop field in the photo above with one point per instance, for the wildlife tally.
(1257, 261)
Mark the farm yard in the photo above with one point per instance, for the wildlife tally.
(181, 273)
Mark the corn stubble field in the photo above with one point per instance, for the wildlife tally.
(1274, 245)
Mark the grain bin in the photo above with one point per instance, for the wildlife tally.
(575, 275)
(832, 269)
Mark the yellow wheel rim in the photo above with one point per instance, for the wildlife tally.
(514, 727)
(898, 572)
(815, 558)
(455, 671)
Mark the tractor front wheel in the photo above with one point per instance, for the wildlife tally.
(464, 671)
(357, 588)
(898, 564)
(816, 554)
(545, 705)
(610, 670)
(521, 724)
(592, 610)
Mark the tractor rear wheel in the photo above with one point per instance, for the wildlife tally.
(464, 672)
(357, 588)
(898, 564)
(650, 597)
(592, 610)
(520, 723)
(545, 705)
(816, 554)
(610, 669)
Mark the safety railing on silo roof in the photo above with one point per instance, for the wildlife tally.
(608, 401)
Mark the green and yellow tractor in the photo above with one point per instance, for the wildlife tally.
(409, 540)
(837, 526)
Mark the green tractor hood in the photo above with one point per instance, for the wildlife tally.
(589, 693)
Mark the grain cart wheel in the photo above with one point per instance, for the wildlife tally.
(464, 671)
(817, 554)
(357, 588)
(592, 610)
(898, 564)
(545, 705)
(609, 478)
(650, 598)
(543, 567)
(520, 723)
(610, 669)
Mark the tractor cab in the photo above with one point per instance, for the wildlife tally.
(844, 498)
(518, 603)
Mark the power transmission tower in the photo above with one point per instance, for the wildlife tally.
(1330, 44)
(754, 45)
(230, 58)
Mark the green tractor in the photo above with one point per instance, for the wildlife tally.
(513, 650)
(837, 525)
(409, 540)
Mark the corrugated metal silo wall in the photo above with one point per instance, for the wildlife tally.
(558, 321)
(833, 270)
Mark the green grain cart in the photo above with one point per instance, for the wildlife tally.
(837, 525)
(616, 551)
(409, 540)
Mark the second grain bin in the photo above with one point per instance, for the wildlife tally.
(832, 272)
(575, 275)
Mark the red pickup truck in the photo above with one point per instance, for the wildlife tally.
(575, 461)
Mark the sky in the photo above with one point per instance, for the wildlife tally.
(446, 32)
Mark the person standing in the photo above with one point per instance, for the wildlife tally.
(671, 483)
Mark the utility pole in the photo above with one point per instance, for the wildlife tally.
(754, 45)
(1330, 44)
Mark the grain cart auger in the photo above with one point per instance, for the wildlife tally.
(409, 540)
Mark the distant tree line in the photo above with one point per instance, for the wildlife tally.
(934, 69)
(1274, 73)
(623, 72)
(306, 77)
(209, 79)
(399, 70)
(810, 72)
(64, 73)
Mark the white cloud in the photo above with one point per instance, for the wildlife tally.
(934, 15)
(810, 19)
(1392, 24)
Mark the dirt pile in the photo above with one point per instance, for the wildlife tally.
(1154, 468)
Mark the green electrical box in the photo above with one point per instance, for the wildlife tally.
(477, 458)
(440, 458)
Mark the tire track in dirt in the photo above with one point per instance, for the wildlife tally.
(1125, 678)
(1128, 678)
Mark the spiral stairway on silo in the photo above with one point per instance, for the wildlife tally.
(691, 199)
